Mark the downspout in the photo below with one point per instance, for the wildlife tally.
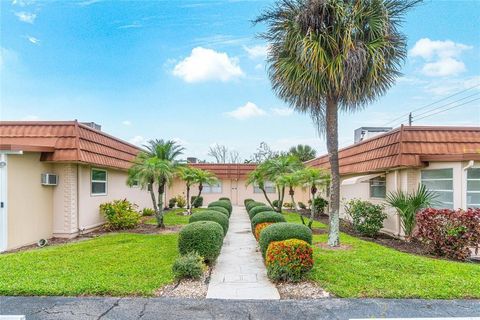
(78, 200)
(77, 145)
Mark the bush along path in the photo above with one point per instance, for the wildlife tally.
(239, 272)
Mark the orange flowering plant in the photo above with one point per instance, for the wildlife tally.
(259, 227)
(289, 260)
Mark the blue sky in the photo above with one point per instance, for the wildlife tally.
(195, 71)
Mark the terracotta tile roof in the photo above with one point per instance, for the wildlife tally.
(407, 146)
(67, 141)
(227, 170)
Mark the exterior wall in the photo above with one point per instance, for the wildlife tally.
(65, 200)
(88, 204)
(30, 204)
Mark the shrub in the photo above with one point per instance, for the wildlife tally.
(189, 266)
(220, 209)
(120, 215)
(172, 202)
(267, 216)
(275, 203)
(203, 237)
(319, 205)
(255, 210)
(367, 218)
(146, 212)
(302, 205)
(283, 231)
(253, 204)
(289, 260)
(259, 227)
(225, 199)
(181, 201)
(211, 215)
(449, 233)
(247, 201)
(196, 202)
(224, 204)
(288, 205)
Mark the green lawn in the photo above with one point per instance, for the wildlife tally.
(295, 218)
(115, 264)
(174, 217)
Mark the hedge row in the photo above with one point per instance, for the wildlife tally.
(286, 247)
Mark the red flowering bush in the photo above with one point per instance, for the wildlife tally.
(259, 227)
(449, 233)
(289, 260)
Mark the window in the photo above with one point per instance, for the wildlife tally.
(214, 188)
(99, 182)
(473, 188)
(378, 187)
(440, 181)
(269, 188)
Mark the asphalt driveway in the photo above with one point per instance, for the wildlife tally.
(170, 308)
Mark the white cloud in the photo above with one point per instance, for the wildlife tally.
(249, 110)
(133, 25)
(30, 117)
(259, 66)
(283, 112)
(7, 57)
(207, 64)
(449, 86)
(21, 3)
(442, 58)
(33, 39)
(127, 123)
(258, 51)
(26, 17)
(138, 140)
(88, 2)
(444, 67)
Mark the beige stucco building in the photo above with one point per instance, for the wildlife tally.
(88, 165)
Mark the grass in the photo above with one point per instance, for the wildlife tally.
(295, 218)
(116, 264)
(174, 217)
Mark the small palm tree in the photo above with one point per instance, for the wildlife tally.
(313, 179)
(303, 152)
(328, 56)
(408, 205)
(189, 176)
(258, 179)
(291, 181)
(203, 177)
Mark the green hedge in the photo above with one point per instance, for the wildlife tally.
(246, 201)
(203, 237)
(252, 204)
(283, 231)
(221, 203)
(267, 216)
(255, 210)
(211, 215)
(225, 199)
(220, 209)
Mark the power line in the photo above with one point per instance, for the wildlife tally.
(433, 109)
(440, 111)
(430, 104)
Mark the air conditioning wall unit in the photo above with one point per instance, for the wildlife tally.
(49, 179)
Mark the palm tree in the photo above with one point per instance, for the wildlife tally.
(303, 152)
(258, 179)
(203, 177)
(313, 179)
(189, 175)
(330, 55)
(291, 181)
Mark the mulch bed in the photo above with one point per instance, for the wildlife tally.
(301, 290)
(187, 288)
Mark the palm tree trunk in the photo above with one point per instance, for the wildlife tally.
(266, 197)
(332, 147)
(154, 201)
(188, 199)
(313, 210)
(282, 197)
(159, 215)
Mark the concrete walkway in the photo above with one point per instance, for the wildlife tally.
(240, 272)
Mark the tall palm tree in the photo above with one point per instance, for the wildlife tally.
(188, 175)
(303, 152)
(328, 56)
(203, 177)
(258, 179)
(313, 179)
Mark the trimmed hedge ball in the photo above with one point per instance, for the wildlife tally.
(289, 260)
(253, 204)
(267, 216)
(259, 227)
(283, 231)
(255, 210)
(220, 209)
(211, 215)
(248, 200)
(203, 237)
(221, 203)
(224, 199)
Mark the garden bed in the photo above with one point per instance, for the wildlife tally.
(187, 288)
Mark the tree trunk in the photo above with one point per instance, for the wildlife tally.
(313, 190)
(154, 201)
(159, 215)
(280, 201)
(332, 147)
(200, 188)
(266, 197)
(188, 199)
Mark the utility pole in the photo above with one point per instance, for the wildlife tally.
(410, 119)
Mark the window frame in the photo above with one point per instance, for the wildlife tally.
(98, 181)
(438, 204)
(256, 189)
(476, 205)
(384, 178)
(209, 188)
